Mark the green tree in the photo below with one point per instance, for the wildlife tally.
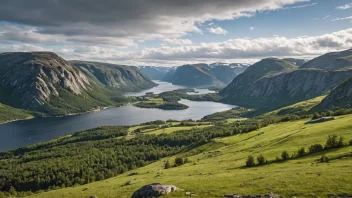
(261, 160)
(285, 155)
(167, 164)
(301, 152)
(250, 161)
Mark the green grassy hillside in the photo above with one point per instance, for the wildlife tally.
(218, 168)
(8, 113)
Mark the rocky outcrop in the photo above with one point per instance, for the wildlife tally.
(33, 77)
(341, 96)
(320, 120)
(154, 190)
(123, 78)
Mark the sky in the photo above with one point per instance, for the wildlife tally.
(176, 32)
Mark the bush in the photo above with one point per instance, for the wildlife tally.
(301, 152)
(167, 164)
(324, 159)
(284, 155)
(261, 160)
(315, 148)
(350, 142)
(333, 142)
(250, 161)
(179, 161)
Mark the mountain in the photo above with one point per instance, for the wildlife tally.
(341, 96)
(298, 62)
(45, 82)
(195, 75)
(169, 75)
(331, 61)
(120, 77)
(272, 83)
(218, 74)
(155, 73)
(256, 71)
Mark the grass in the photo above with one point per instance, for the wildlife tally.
(298, 108)
(212, 174)
(174, 129)
(8, 114)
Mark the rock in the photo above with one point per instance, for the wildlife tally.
(319, 120)
(85, 189)
(130, 183)
(154, 190)
(93, 197)
(190, 193)
(270, 195)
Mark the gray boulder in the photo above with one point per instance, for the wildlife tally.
(153, 190)
(319, 120)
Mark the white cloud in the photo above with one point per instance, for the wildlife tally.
(217, 30)
(300, 6)
(233, 49)
(175, 41)
(251, 28)
(342, 19)
(344, 7)
(323, 18)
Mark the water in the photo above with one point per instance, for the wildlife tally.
(27, 132)
(165, 86)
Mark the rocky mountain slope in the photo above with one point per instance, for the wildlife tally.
(217, 74)
(341, 96)
(272, 83)
(155, 73)
(298, 62)
(169, 75)
(45, 82)
(331, 61)
(123, 78)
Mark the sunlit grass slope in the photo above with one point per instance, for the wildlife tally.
(218, 168)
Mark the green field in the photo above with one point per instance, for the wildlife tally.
(219, 168)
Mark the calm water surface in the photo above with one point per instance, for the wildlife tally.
(27, 132)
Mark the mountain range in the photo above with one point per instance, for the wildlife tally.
(45, 82)
(216, 74)
(272, 83)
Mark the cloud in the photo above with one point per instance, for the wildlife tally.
(175, 41)
(251, 28)
(217, 30)
(344, 7)
(342, 19)
(300, 6)
(236, 50)
(22, 48)
(323, 18)
(122, 23)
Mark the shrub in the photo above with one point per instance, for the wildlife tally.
(261, 159)
(167, 164)
(324, 159)
(333, 142)
(301, 152)
(284, 155)
(315, 148)
(277, 158)
(250, 161)
(350, 142)
(179, 161)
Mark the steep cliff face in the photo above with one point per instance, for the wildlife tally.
(331, 61)
(270, 84)
(169, 75)
(32, 78)
(123, 78)
(45, 82)
(341, 96)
